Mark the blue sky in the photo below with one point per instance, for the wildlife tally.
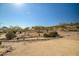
(42, 14)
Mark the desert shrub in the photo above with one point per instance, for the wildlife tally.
(10, 35)
(20, 32)
(77, 27)
(14, 32)
(39, 32)
(45, 35)
(51, 34)
(0, 42)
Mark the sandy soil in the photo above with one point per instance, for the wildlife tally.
(68, 45)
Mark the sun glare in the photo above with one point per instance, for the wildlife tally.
(18, 4)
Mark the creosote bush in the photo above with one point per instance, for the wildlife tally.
(10, 35)
(51, 34)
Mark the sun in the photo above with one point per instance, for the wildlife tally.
(19, 3)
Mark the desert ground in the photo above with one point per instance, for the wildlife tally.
(67, 45)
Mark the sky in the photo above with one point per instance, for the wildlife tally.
(38, 14)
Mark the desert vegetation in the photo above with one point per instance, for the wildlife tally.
(10, 35)
(39, 33)
(51, 34)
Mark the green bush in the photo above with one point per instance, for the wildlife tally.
(51, 34)
(10, 35)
